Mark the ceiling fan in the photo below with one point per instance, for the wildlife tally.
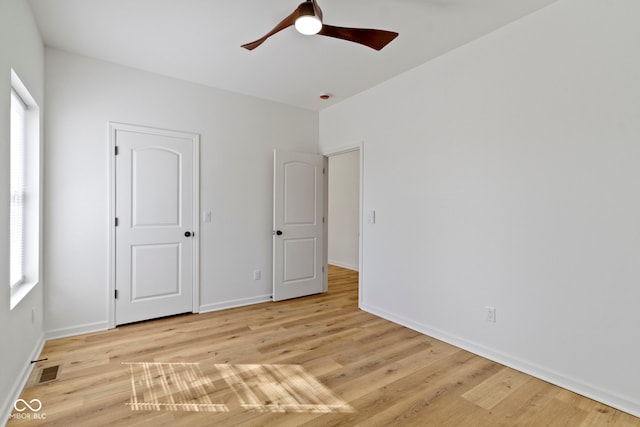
(307, 18)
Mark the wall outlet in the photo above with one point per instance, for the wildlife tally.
(257, 274)
(33, 314)
(490, 314)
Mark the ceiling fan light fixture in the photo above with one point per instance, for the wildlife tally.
(308, 23)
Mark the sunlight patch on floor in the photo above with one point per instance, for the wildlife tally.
(171, 387)
(261, 388)
(280, 388)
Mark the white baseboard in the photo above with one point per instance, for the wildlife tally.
(608, 398)
(7, 406)
(339, 264)
(234, 303)
(87, 328)
(103, 326)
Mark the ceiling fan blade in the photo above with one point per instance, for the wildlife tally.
(286, 22)
(375, 39)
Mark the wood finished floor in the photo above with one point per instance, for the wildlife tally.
(387, 374)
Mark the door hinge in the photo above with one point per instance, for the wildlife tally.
(116, 222)
(115, 294)
(323, 220)
(323, 171)
(116, 150)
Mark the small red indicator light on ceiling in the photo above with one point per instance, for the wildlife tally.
(325, 96)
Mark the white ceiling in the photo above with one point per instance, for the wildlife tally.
(199, 40)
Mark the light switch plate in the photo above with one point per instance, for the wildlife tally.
(371, 217)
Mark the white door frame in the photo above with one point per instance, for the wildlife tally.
(195, 138)
(334, 151)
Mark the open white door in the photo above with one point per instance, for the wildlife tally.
(298, 235)
(155, 227)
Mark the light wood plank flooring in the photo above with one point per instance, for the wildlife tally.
(315, 361)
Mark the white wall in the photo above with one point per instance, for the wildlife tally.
(344, 210)
(21, 337)
(238, 134)
(506, 174)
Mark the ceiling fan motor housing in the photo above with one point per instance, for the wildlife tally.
(308, 23)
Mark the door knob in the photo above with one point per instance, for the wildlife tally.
(279, 233)
(188, 234)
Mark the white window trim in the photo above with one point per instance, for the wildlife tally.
(32, 207)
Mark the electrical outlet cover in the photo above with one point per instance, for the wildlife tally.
(491, 314)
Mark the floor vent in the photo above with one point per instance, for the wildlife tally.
(49, 374)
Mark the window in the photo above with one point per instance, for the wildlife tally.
(16, 206)
(24, 188)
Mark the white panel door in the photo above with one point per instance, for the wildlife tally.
(298, 268)
(155, 231)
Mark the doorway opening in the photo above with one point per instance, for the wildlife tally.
(344, 210)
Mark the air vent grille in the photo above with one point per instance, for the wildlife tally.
(49, 374)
